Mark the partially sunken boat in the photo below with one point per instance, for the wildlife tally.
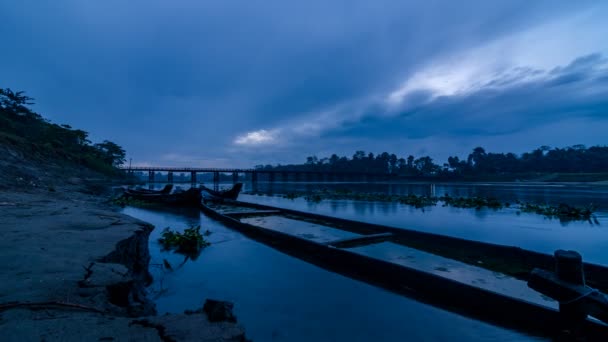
(230, 194)
(484, 281)
(190, 197)
(164, 191)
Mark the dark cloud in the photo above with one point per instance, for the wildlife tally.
(577, 90)
(171, 78)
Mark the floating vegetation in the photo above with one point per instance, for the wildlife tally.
(472, 202)
(190, 242)
(418, 201)
(316, 198)
(563, 212)
(290, 195)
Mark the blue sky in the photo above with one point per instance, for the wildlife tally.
(240, 83)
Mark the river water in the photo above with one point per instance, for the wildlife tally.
(280, 298)
(507, 226)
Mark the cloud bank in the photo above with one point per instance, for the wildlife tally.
(236, 83)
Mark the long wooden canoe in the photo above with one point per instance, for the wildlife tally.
(190, 197)
(463, 298)
(230, 194)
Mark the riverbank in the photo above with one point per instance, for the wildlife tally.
(73, 268)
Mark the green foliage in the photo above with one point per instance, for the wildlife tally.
(36, 136)
(190, 242)
(588, 164)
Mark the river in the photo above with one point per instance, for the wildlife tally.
(280, 298)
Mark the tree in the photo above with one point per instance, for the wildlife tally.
(111, 153)
(392, 162)
(15, 102)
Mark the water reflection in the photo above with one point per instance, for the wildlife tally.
(506, 226)
(580, 195)
(280, 298)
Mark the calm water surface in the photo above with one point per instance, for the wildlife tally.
(280, 298)
(505, 226)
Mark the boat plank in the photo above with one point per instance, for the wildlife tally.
(511, 260)
(361, 240)
(239, 214)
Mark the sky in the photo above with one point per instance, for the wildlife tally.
(231, 83)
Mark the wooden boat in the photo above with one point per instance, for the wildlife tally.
(230, 194)
(465, 298)
(166, 190)
(190, 197)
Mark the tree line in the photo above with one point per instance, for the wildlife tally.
(573, 159)
(21, 126)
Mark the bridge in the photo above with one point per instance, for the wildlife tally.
(256, 175)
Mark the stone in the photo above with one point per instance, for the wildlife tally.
(219, 311)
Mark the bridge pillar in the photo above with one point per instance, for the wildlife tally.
(254, 181)
(216, 180)
(235, 177)
(150, 176)
(284, 176)
(170, 177)
(298, 176)
(271, 176)
(193, 177)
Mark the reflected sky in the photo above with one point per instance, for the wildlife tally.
(280, 298)
(506, 226)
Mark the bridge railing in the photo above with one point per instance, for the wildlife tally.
(184, 169)
(233, 170)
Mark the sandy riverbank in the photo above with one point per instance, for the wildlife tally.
(74, 269)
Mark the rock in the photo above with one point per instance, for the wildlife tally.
(105, 274)
(219, 311)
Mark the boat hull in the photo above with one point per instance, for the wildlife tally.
(439, 291)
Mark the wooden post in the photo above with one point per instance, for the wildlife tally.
(150, 176)
(193, 177)
(569, 266)
(254, 181)
(170, 177)
(567, 286)
(235, 177)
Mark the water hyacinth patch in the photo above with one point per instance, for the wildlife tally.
(563, 212)
(190, 242)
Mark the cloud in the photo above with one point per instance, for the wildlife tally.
(255, 138)
(163, 78)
